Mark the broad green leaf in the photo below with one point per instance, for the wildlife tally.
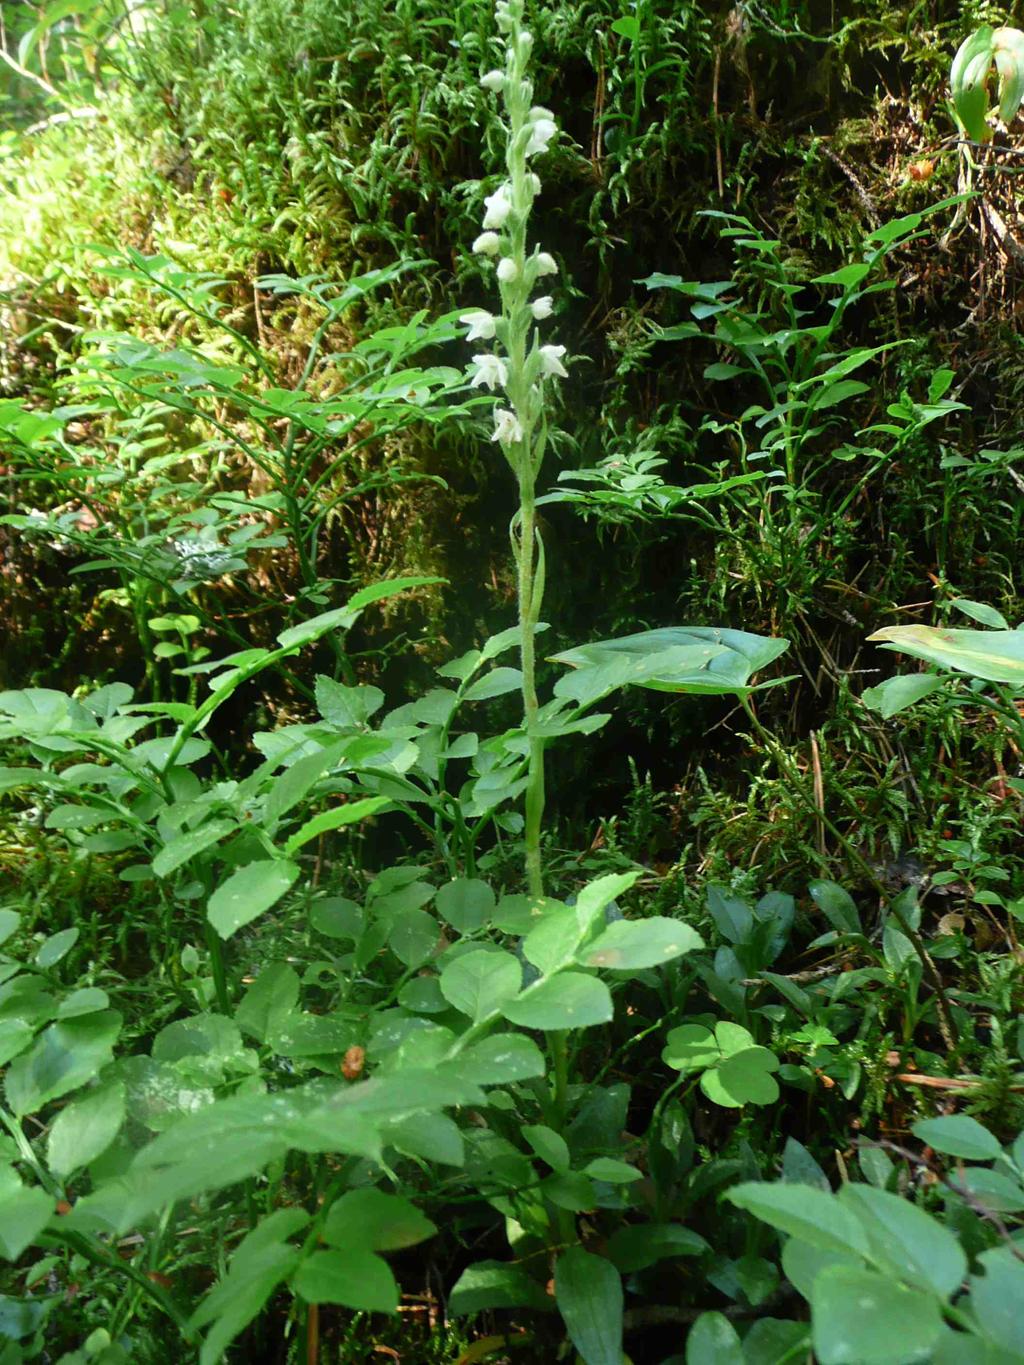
(501, 1059)
(967, 79)
(733, 657)
(57, 946)
(811, 1215)
(802, 1263)
(241, 1295)
(495, 1284)
(85, 1129)
(588, 1291)
(564, 1001)
(339, 816)
(635, 1246)
(466, 904)
(713, 1340)
(548, 1145)
(24, 1212)
(269, 1002)
(634, 945)
(9, 922)
(958, 1135)
(64, 1056)
(414, 937)
(997, 1297)
(597, 895)
(837, 905)
(343, 618)
(982, 612)
(289, 787)
(368, 1219)
(995, 655)
(480, 982)
(184, 847)
(896, 694)
(552, 943)
(353, 1278)
(496, 683)
(691, 1047)
(743, 1078)
(860, 1317)
(348, 708)
(917, 1247)
(249, 892)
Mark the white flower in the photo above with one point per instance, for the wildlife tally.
(545, 263)
(487, 244)
(489, 370)
(540, 308)
(499, 206)
(533, 181)
(542, 129)
(480, 324)
(525, 44)
(507, 270)
(507, 427)
(551, 361)
(504, 18)
(494, 80)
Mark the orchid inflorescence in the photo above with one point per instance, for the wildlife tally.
(526, 363)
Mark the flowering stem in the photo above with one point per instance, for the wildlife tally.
(519, 428)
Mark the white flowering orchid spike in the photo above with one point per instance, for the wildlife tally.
(499, 206)
(551, 361)
(507, 427)
(490, 370)
(520, 428)
(481, 324)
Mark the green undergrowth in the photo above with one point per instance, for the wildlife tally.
(414, 942)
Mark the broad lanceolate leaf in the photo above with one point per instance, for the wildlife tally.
(811, 1215)
(564, 1001)
(735, 656)
(588, 1291)
(958, 1135)
(479, 983)
(336, 818)
(343, 618)
(353, 1278)
(995, 655)
(248, 892)
(85, 1129)
(632, 945)
(918, 1248)
(184, 847)
(24, 1212)
(713, 1340)
(896, 694)
(495, 1284)
(863, 1318)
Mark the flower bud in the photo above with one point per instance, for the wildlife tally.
(493, 80)
(507, 270)
(540, 308)
(487, 244)
(545, 264)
